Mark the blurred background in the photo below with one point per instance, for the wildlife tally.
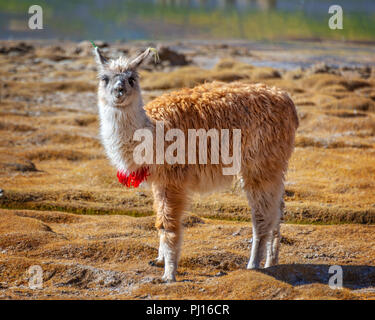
(189, 19)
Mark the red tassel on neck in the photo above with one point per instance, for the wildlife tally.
(134, 179)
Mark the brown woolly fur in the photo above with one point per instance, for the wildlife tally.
(170, 203)
(264, 117)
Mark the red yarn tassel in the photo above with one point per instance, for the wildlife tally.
(134, 179)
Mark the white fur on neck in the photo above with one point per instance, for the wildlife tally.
(117, 126)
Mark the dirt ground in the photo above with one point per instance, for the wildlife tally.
(63, 209)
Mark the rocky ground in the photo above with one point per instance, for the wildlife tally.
(64, 210)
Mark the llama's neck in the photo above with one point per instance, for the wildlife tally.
(117, 127)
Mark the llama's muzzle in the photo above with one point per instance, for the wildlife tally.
(119, 89)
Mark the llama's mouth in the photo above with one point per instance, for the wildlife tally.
(119, 93)
(119, 97)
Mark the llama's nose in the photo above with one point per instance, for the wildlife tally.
(119, 88)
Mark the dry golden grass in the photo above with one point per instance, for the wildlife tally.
(51, 162)
(107, 257)
(226, 70)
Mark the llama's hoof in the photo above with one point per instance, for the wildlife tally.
(156, 263)
(269, 264)
(252, 267)
(168, 279)
(272, 264)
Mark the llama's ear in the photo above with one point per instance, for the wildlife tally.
(100, 59)
(135, 63)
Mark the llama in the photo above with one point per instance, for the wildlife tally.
(266, 117)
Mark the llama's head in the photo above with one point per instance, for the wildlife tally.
(118, 84)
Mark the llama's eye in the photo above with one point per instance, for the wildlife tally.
(105, 79)
(131, 81)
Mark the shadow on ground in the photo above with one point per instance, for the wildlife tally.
(354, 277)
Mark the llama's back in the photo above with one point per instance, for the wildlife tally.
(266, 117)
(221, 105)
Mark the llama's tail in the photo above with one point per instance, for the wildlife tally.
(293, 109)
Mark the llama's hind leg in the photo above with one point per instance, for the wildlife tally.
(277, 236)
(169, 204)
(273, 253)
(265, 209)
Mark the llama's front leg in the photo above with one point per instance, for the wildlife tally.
(170, 243)
(159, 261)
(160, 258)
(169, 204)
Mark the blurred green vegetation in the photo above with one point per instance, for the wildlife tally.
(137, 19)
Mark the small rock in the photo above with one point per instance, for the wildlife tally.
(20, 48)
(27, 166)
(173, 57)
(141, 194)
(323, 68)
(3, 285)
(101, 44)
(220, 274)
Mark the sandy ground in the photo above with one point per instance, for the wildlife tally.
(64, 210)
(108, 257)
